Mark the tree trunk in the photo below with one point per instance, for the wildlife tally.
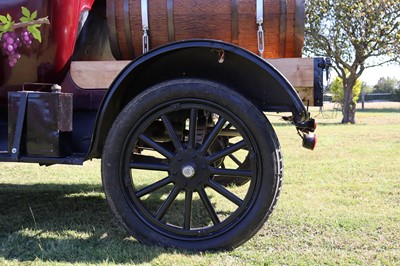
(349, 107)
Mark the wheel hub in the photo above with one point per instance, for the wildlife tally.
(189, 169)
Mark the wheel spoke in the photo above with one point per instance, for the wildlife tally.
(156, 146)
(167, 203)
(188, 210)
(192, 128)
(236, 160)
(228, 126)
(213, 135)
(153, 187)
(171, 132)
(224, 192)
(231, 172)
(207, 204)
(148, 163)
(149, 166)
(225, 152)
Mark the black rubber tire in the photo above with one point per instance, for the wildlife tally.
(229, 229)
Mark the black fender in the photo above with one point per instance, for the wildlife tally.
(235, 67)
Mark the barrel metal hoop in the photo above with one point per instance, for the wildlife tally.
(282, 28)
(235, 21)
(170, 18)
(260, 21)
(112, 29)
(145, 24)
(127, 29)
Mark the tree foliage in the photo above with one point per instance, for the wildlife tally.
(356, 34)
(365, 88)
(387, 85)
(336, 88)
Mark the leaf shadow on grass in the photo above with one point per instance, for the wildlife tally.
(65, 223)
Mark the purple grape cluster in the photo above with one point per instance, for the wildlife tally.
(26, 37)
(11, 42)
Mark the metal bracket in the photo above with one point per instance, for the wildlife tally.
(15, 150)
(145, 24)
(320, 65)
(260, 21)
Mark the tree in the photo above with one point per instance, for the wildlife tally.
(357, 35)
(388, 85)
(336, 88)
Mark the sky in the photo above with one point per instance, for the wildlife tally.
(372, 75)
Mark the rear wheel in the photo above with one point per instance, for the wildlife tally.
(165, 153)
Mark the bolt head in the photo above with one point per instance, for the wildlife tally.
(188, 171)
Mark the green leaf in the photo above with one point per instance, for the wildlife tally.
(34, 15)
(7, 26)
(26, 12)
(25, 19)
(3, 19)
(35, 32)
(7, 23)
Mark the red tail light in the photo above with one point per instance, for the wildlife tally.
(309, 141)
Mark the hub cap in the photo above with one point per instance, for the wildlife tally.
(188, 171)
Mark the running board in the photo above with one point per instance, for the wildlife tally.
(75, 159)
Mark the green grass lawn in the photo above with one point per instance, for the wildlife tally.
(340, 205)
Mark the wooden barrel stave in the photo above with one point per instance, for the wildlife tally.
(283, 24)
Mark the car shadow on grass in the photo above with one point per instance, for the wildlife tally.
(65, 223)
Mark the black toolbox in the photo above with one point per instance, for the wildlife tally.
(44, 122)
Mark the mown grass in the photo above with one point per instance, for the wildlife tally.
(339, 205)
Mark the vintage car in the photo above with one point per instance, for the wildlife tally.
(171, 95)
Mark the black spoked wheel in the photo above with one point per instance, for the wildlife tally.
(166, 154)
